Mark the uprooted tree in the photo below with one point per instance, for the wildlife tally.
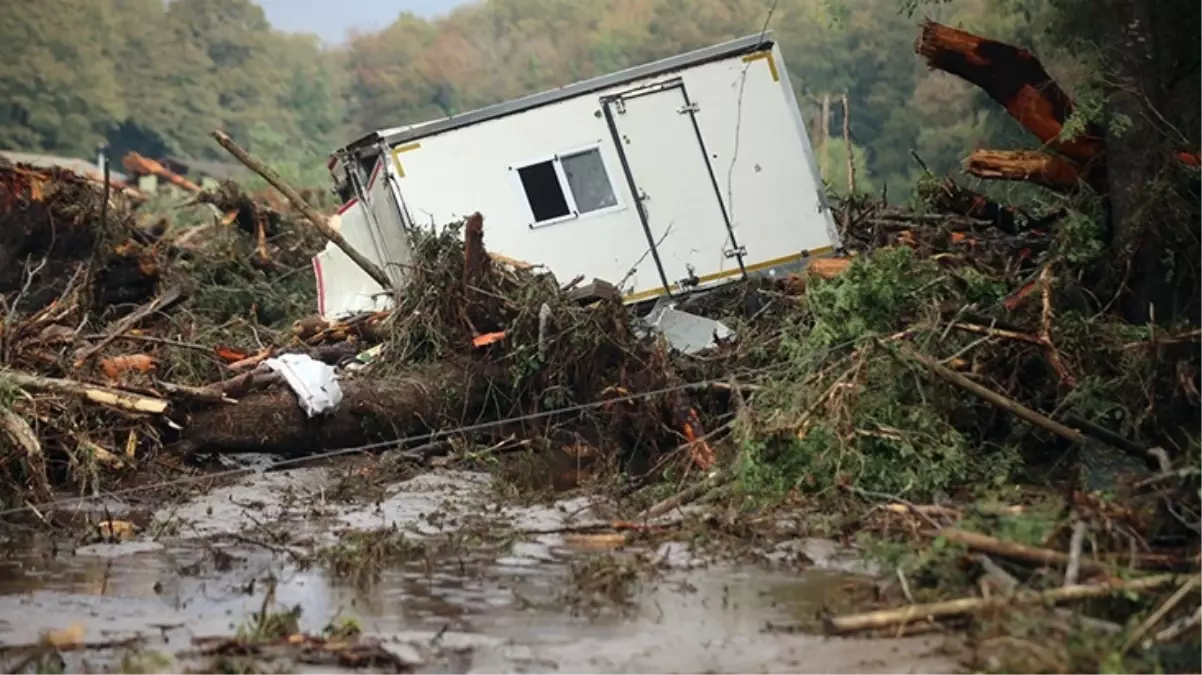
(1133, 159)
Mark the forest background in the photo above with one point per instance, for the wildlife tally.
(156, 77)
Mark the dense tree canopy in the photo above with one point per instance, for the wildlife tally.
(156, 77)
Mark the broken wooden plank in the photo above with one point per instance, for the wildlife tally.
(595, 290)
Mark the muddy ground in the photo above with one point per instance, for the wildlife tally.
(480, 586)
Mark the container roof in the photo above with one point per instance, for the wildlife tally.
(397, 135)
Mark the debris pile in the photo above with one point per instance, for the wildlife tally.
(982, 356)
(111, 326)
(962, 353)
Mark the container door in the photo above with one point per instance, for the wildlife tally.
(675, 186)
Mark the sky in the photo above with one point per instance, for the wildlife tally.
(331, 19)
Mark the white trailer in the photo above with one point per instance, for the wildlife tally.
(664, 178)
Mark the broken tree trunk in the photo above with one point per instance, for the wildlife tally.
(319, 221)
(372, 410)
(137, 164)
(1013, 77)
(1029, 166)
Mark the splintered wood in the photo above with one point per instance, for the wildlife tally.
(1014, 78)
(1030, 166)
(1017, 80)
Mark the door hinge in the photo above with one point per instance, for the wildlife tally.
(690, 108)
(735, 252)
(619, 106)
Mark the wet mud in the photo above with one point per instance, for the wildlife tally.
(506, 589)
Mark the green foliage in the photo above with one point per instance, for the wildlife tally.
(871, 297)
(835, 172)
(1078, 238)
(9, 392)
(224, 289)
(58, 78)
(846, 412)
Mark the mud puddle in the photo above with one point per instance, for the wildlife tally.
(515, 594)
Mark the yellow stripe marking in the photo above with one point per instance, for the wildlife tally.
(766, 264)
(766, 54)
(396, 159)
(643, 295)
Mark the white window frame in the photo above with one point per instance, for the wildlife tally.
(565, 187)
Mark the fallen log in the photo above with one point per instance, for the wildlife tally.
(1028, 166)
(1014, 78)
(372, 410)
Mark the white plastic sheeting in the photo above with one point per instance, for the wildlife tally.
(315, 383)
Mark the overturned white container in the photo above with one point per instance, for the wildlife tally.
(669, 177)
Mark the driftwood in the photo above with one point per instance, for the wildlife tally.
(1046, 556)
(319, 221)
(372, 410)
(103, 395)
(1014, 551)
(137, 164)
(939, 610)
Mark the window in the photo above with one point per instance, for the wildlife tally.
(588, 181)
(567, 185)
(546, 197)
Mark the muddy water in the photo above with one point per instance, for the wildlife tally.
(512, 608)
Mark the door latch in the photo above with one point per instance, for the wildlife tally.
(735, 252)
(690, 108)
(690, 281)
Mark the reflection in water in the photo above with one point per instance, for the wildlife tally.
(508, 606)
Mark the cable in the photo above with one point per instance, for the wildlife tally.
(366, 447)
(427, 437)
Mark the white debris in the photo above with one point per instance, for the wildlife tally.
(315, 383)
(687, 333)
